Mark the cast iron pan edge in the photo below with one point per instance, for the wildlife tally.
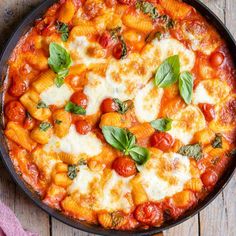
(21, 30)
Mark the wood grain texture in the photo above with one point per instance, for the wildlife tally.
(218, 219)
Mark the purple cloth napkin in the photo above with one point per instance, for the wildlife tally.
(10, 225)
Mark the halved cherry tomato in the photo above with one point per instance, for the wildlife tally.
(108, 105)
(148, 213)
(162, 141)
(105, 39)
(124, 166)
(82, 127)
(15, 111)
(216, 59)
(17, 88)
(80, 99)
(117, 51)
(208, 110)
(209, 178)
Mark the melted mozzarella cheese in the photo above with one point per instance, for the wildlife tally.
(123, 80)
(211, 92)
(74, 143)
(56, 96)
(164, 176)
(115, 193)
(147, 102)
(186, 122)
(85, 177)
(156, 52)
(79, 49)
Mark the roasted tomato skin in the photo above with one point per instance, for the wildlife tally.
(148, 213)
(108, 105)
(124, 166)
(80, 99)
(216, 59)
(209, 178)
(117, 51)
(162, 141)
(82, 127)
(105, 39)
(17, 88)
(15, 111)
(208, 110)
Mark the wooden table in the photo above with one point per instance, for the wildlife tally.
(218, 219)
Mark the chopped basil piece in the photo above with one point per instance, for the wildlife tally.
(73, 108)
(168, 72)
(41, 104)
(191, 150)
(44, 126)
(123, 107)
(186, 86)
(151, 36)
(72, 171)
(58, 122)
(124, 50)
(162, 124)
(170, 24)
(63, 29)
(147, 8)
(114, 32)
(82, 162)
(124, 141)
(217, 142)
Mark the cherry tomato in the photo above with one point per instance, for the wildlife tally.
(208, 110)
(216, 59)
(127, 2)
(148, 213)
(118, 50)
(162, 141)
(124, 166)
(15, 111)
(82, 127)
(105, 39)
(108, 105)
(209, 178)
(29, 123)
(80, 99)
(17, 88)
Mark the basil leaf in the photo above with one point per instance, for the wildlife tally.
(72, 171)
(58, 122)
(186, 86)
(191, 150)
(162, 124)
(73, 108)
(123, 107)
(168, 72)
(114, 32)
(117, 137)
(44, 126)
(139, 154)
(59, 80)
(41, 104)
(170, 24)
(217, 142)
(63, 29)
(147, 8)
(59, 58)
(124, 50)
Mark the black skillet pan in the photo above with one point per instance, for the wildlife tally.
(21, 30)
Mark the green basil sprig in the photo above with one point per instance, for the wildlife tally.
(147, 8)
(44, 126)
(186, 86)
(123, 107)
(168, 73)
(162, 124)
(73, 108)
(41, 104)
(192, 150)
(63, 29)
(59, 61)
(125, 141)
